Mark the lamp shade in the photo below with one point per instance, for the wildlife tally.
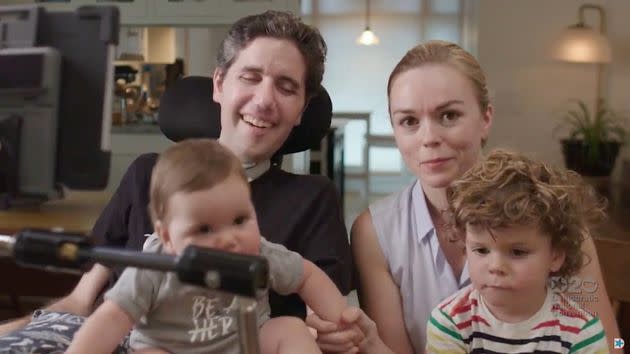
(368, 37)
(581, 44)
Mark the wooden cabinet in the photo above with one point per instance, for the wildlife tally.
(175, 12)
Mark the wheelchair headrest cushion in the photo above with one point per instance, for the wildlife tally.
(188, 111)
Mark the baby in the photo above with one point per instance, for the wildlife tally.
(522, 223)
(200, 196)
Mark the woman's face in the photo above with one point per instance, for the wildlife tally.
(438, 123)
(262, 96)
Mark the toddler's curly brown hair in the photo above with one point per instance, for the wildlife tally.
(509, 189)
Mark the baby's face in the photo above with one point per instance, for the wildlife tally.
(222, 218)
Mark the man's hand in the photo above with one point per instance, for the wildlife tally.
(371, 342)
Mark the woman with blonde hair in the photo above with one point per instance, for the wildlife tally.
(441, 117)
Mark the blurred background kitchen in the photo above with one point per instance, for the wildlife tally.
(143, 70)
(161, 40)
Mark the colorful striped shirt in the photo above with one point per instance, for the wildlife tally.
(463, 324)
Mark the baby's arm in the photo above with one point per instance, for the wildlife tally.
(321, 294)
(102, 331)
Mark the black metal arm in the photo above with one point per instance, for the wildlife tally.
(242, 275)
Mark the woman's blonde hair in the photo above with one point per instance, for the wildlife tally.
(443, 52)
(508, 189)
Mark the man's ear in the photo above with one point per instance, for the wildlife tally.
(165, 238)
(217, 85)
(557, 261)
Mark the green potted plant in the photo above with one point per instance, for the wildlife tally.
(593, 141)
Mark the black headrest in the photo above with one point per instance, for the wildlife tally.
(188, 111)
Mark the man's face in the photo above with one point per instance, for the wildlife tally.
(262, 96)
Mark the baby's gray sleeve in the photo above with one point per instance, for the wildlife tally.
(286, 268)
(135, 291)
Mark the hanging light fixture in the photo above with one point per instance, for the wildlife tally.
(367, 37)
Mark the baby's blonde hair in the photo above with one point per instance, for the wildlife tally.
(188, 166)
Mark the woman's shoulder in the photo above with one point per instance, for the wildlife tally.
(392, 205)
(362, 225)
(386, 221)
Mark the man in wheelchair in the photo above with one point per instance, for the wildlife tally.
(267, 84)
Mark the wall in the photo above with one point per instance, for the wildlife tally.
(530, 90)
(203, 45)
(160, 45)
(619, 86)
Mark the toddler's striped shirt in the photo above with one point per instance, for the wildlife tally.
(463, 324)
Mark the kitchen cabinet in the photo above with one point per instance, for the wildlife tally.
(52, 5)
(204, 12)
(130, 10)
(176, 12)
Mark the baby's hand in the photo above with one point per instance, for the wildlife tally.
(344, 337)
(371, 343)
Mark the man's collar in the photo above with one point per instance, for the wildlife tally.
(255, 170)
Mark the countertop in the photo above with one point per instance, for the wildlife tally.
(77, 212)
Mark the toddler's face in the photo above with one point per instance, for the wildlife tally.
(510, 266)
(222, 218)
